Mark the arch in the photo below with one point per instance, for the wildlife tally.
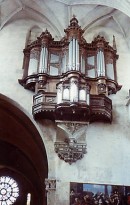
(122, 6)
(20, 138)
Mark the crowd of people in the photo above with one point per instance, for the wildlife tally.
(89, 198)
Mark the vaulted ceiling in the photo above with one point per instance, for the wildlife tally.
(56, 14)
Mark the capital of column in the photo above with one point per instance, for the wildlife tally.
(50, 184)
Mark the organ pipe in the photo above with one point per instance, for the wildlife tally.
(73, 55)
(43, 60)
(77, 55)
(33, 63)
(70, 55)
(100, 63)
(59, 93)
(74, 90)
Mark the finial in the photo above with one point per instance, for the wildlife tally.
(74, 21)
(74, 16)
(114, 43)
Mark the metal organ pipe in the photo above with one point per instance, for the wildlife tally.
(77, 55)
(100, 63)
(98, 67)
(88, 95)
(64, 67)
(74, 54)
(59, 93)
(100, 60)
(74, 90)
(43, 60)
(33, 63)
(70, 54)
(103, 64)
(82, 67)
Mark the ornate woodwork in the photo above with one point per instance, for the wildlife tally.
(72, 147)
(70, 150)
(71, 78)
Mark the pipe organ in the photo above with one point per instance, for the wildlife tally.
(72, 79)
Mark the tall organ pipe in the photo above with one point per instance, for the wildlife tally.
(74, 90)
(43, 60)
(74, 54)
(103, 64)
(77, 55)
(100, 63)
(70, 54)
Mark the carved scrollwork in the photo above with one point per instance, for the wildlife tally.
(70, 150)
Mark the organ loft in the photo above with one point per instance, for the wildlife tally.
(71, 80)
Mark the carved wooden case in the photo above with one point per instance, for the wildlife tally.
(71, 78)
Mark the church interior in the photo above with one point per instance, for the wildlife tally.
(64, 102)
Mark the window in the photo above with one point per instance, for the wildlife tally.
(28, 199)
(9, 190)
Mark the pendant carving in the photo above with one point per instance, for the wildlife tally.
(70, 151)
(71, 148)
